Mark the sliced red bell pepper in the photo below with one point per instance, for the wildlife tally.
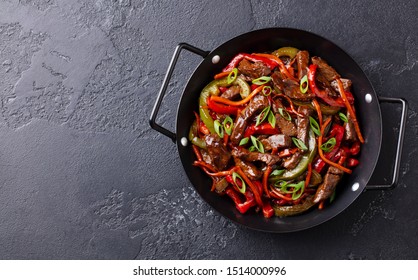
(338, 102)
(254, 58)
(268, 211)
(222, 108)
(242, 207)
(337, 131)
(264, 128)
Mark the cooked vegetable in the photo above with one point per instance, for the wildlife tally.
(276, 132)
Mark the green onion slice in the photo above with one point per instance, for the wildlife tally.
(267, 90)
(218, 128)
(257, 144)
(251, 149)
(343, 117)
(232, 76)
(280, 184)
(304, 84)
(262, 116)
(277, 172)
(261, 81)
(285, 114)
(236, 176)
(315, 126)
(271, 119)
(244, 141)
(299, 143)
(228, 124)
(298, 189)
(329, 145)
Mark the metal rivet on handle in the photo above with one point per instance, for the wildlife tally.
(368, 98)
(184, 141)
(216, 59)
(355, 187)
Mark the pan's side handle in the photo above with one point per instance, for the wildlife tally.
(164, 86)
(399, 146)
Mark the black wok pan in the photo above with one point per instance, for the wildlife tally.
(267, 40)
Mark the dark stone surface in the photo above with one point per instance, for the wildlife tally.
(84, 177)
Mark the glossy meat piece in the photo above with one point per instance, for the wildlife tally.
(249, 169)
(231, 93)
(302, 59)
(289, 87)
(346, 85)
(292, 161)
(325, 190)
(217, 151)
(253, 70)
(286, 127)
(276, 142)
(349, 130)
(324, 69)
(303, 123)
(246, 155)
(256, 105)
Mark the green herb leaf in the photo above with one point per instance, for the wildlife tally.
(267, 90)
(304, 84)
(315, 126)
(232, 76)
(277, 172)
(228, 124)
(218, 128)
(299, 144)
(298, 189)
(343, 117)
(244, 141)
(329, 145)
(251, 149)
(257, 144)
(285, 114)
(236, 176)
(261, 81)
(262, 116)
(271, 119)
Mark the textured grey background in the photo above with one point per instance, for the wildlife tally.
(83, 176)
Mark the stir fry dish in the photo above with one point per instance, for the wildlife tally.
(276, 132)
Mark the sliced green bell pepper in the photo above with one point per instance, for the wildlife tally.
(213, 89)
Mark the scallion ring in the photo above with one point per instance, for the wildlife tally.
(304, 84)
(228, 124)
(252, 149)
(232, 76)
(244, 141)
(236, 176)
(271, 119)
(267, 90)
(329, 145)
(262, 116)
(218, 128)
(277, 172)
(257, 144)
(285, 114)
(314, 126)
(343, 117)
(280, 184)
(299, 143)
(298, 189)
(261, 81)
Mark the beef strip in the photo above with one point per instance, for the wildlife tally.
(285, 126)
(246, 155)
(253, 70)
(346, 84)
(289, 87)
(217, 151)
(249, 169)
(231, 93)
(349, 130)
(292, 161)
(324, 69)
(257, 104)
(276, 141)
(302, 59)
(325, 190)
(303, 123)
